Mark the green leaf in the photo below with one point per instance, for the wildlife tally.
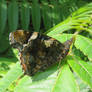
(25, 15)
(36, 18)
(13, 15)
(3, 59)
(6, 64)
(10, 77)
(59, 28)
(41, 82)
(77, 21)
(62, 37)
(83, 69)
(46, 14)
(83, 86)
(55, 12)
(85, 45)
(65, 81)
(3, 16)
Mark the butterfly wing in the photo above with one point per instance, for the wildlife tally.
(38, 51)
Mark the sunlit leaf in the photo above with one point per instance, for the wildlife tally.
(10, 77)
(76, 21)
(83, 69)
(41, 82)
(65, 81)
(85, 45)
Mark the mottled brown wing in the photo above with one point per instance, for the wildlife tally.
(40, 52)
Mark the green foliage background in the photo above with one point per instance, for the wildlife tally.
(59, 19)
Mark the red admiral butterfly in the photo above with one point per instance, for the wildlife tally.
(37, 51)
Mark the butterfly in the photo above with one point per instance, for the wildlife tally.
(37, 51)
